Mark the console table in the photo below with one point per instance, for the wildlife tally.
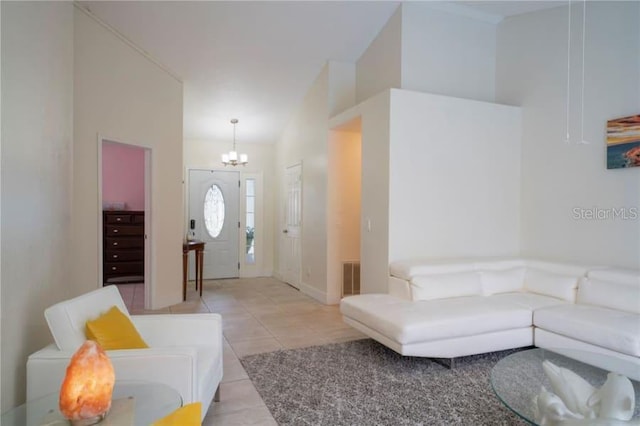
(198, 247)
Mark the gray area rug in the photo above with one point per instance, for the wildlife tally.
(364, 383)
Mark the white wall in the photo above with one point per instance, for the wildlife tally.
(374, 202)
(558, 177)
(305, 140)
(448, 54)
(37, 130)
(454, 186)
(123, 96)
(379, 67)
(206, 154)
(342, 86)
(425, 49)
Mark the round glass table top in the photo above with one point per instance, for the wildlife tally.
(517, 379)
(150, 402)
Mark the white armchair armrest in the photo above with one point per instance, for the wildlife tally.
(180, 330)
(173, 366)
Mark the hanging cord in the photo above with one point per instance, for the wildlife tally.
(567, 137)
(584, 35)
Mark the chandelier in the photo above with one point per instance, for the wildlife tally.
(232, 158)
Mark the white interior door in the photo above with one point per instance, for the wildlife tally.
(214, 213)
(291, 259)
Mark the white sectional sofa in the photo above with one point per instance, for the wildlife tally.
(453, 309)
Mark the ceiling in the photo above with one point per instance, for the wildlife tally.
(255, 61)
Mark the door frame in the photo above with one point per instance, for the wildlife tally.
(148, 230)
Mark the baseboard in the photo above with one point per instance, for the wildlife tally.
(316, 294)
(333, 299)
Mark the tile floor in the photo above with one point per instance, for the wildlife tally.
(259, 315)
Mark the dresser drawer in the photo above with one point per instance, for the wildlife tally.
(136, 268)
(116, 255)
(117, 218)
(123, 242)
(119, 230)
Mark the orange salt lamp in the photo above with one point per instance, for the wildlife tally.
(85, 395)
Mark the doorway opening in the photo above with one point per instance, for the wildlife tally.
(125, 220)
(344, 210)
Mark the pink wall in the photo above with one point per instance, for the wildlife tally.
(123, 175)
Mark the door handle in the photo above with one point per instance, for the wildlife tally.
(285, 231)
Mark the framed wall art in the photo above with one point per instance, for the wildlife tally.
(623, 142)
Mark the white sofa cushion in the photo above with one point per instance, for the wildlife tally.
(617, 275)
(407, 269)
(498, 264)
(551, 284)
(608, 328)
(557, 267)
(443, 286)
(612, 295)
(502, 281)
(409, 322)
(530, 301)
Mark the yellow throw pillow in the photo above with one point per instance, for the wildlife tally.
(114, 330)
(189, 415)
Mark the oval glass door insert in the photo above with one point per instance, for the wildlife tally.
(214, 211)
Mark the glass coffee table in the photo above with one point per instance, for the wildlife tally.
(518, 378)
(151, 401)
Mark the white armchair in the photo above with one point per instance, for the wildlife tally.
(185, 350)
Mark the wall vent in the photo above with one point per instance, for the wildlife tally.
(350, 278)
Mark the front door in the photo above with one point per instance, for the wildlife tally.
(291, 260)
(214, 215)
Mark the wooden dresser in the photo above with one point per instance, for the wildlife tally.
(123, 246)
